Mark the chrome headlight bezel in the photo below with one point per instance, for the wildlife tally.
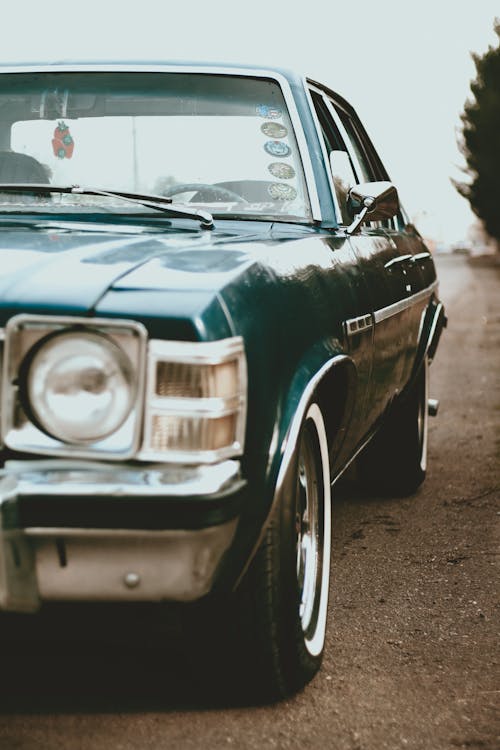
(23, 334)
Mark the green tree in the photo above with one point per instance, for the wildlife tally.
(480, 142)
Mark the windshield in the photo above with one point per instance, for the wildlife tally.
(216, 142)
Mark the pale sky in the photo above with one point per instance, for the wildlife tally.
(404, 66)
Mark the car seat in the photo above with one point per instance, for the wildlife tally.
(16, 167)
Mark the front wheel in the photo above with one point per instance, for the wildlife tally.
(266, 640)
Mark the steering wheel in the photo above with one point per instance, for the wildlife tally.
(219, 193)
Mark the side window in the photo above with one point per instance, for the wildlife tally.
(366, 157)
(364, 163)
(342, 170)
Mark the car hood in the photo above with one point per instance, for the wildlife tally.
(51, 268)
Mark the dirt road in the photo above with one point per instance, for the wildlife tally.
(413, 642)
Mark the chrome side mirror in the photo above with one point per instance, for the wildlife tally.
(371, 201)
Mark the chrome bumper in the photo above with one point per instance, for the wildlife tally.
(43, 563)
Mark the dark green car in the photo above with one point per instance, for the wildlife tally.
(211, 303)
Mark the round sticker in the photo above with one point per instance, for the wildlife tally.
(277, 148)
(270, 113)
(274, 129)
(281, 171)
(281, 192)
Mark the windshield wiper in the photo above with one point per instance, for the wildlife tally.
(158, 202)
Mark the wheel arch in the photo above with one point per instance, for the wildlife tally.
(433, 321)
(332, 386)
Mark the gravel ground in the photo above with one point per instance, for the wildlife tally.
(412, 656)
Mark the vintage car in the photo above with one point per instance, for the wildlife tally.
(211, 304)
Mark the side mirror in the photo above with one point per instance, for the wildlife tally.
(371, 201)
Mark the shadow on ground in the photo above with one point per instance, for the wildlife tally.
(94, 658)
(103, 658)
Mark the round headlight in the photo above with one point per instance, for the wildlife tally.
(80, 386)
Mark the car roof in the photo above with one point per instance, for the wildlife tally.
(140, 65)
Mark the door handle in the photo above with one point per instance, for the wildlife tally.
(400, 260)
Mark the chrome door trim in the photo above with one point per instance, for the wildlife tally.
(388, 312)
(362, 323)
(326, 159)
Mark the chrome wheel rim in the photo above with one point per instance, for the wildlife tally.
(312, 526)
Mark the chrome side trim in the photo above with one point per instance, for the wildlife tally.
(391, 310)
(388, 312)
(207, 70)
(362, 323)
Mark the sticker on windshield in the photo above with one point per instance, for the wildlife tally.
(277, 148)
(281, 192)
(270, 113)
(62, 142)
(274, 129)
(281, 171)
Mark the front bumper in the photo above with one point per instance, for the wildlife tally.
(77, 531)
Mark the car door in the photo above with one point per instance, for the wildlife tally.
(386, 261)
(412, 260)
(358, 330)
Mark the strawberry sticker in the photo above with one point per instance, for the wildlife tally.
(62, 142)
